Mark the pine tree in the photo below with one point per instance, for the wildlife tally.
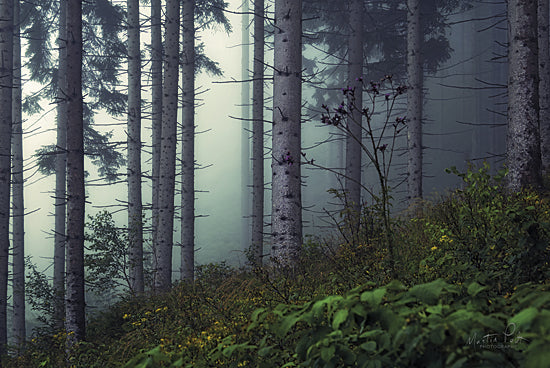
(258, 135)
(188, 143)
(286, 215)
(6, 81)
(75, 322)
(135, 225)
(523, 137)
(165, 231)
(19, 328)
(414, 99)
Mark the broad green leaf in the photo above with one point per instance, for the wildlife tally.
(373, 297)
(428, 293)
(524, 318)
(327, 353)
(369, 346)
(339, 317)
(474, 288)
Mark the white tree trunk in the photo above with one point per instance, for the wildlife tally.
(353, 148)
(135, 226)
(60, 174)
(165, 229)
(6, 75)
(414, 100)
(544, 83)
(188, 144)
(257, 249)
(286, 215)
(75, 322)
(156, 113)
(523, 137)
(245, 130)
(19, 332)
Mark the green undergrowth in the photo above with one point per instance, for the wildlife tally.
(470, 288)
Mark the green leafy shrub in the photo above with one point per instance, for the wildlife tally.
(480, 232)
(433, 325)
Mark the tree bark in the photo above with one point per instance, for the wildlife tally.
(286, 214)
(6, 80)
(354, 121)
(188, 144)
(165, 229)
(245, 130)
(75, 304)
(257, 249)
(414, 100)
(544, 83)
(19, 333)
(135, 226)
(60, 199)
(156, 113)
(523, 136)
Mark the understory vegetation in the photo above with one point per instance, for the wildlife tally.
(470, 286)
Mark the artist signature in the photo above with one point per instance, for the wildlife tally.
(510, 337)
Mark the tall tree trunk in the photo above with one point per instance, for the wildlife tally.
(544, 83)
(156, 113)
(165, 229)
(523, 138)
(60, 174)
(245, 130)
(258, 135)
(353, 147)
(135, 228)
(286, 216)
(75, 304)
(6, 80)
(188, 143)
(19, 332)
(414, 100)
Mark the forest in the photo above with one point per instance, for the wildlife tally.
(280, 183)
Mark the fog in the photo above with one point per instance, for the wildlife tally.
(457, 110)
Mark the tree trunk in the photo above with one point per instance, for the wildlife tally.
(286, 214)
(165, 229)
(414, 100)
(6, 75)
(75, 304)
(257, 249)
(544, 84)
(60, 174)
(523, 138)
(156, 113)
(245, 130)
(188, 143)
(354, 121)
(135, 226)
(19, 332)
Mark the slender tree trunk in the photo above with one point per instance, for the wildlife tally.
(523, 138)
(414, 100)
(19, 332)
(6, 80)
(353, 148)
(286, 216)
(60, 174)
(75, 304)
(156, 113)
(165, 229)
(245, 130)
(135, 228)
(258, 135)
(544, 83)
(188, 143)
